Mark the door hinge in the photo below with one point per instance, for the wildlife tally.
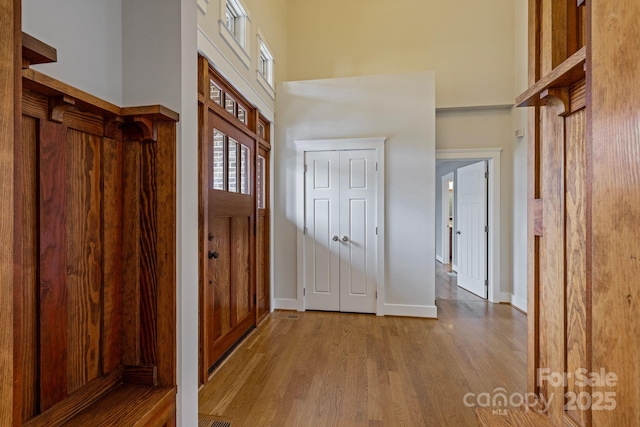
(255, 229)
(376, 166)
(486, 283)
(376, 294)
(486, 175)
(486, 228)
(304, 230)
(305, 168)
(376, 231)
(304, 292)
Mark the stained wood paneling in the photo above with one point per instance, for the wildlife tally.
(615, 202)
(240, 244)
(261, 266)
(83, 258)
(552, 295)
(10, 22)
(553, 32)
(53, 244)
(577, 317)
(131, 255)
(112, 225)
(93, 245)
(221, 272)
(148, 256)
(166, 253)
(28, 262)
(76, 402)
(578, 95)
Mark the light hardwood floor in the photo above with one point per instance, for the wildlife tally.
(335, 369)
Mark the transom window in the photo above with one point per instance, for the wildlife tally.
(231, 20)
(234, 28)
(215, 93)
(265, 64)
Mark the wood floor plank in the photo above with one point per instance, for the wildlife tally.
(341, 369)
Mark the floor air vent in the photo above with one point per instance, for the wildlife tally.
(208, 421)
(285, 315)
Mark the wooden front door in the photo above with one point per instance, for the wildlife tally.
(230, 282)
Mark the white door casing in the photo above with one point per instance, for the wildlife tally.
(444, 212)
(471, 232)
(340, 231)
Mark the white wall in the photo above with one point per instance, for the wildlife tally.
(519, 121)
(159, 66)
(468, 43)
(399, 107)
(88, 37)
(478, 128)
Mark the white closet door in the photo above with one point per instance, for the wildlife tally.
(340, 241)
(358, 231)
(322, 245)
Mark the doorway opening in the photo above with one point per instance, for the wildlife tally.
(466, 157)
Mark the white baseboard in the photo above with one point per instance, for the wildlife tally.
(501, 297)
(285, 304)
(519, 303)
(428, 311)
(454, 267)
(439, 259)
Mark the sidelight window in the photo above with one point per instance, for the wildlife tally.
(218, 160)
(261, 179)
(245, 171)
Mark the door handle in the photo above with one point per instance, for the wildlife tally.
(345, 239)
(335, 238)
(458, 232)
(213, 254)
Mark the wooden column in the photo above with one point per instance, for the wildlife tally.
(10, 22)
(614, 163)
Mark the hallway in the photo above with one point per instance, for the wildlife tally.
(339, 369)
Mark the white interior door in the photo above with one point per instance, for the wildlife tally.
(322, 223)
(340, 240)
(358, 231)
(471, 233)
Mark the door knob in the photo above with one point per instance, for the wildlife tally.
(213, 254)
(345, 239)
(335, 238)
(458, 232)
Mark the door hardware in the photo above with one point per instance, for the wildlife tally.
(213, 254)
